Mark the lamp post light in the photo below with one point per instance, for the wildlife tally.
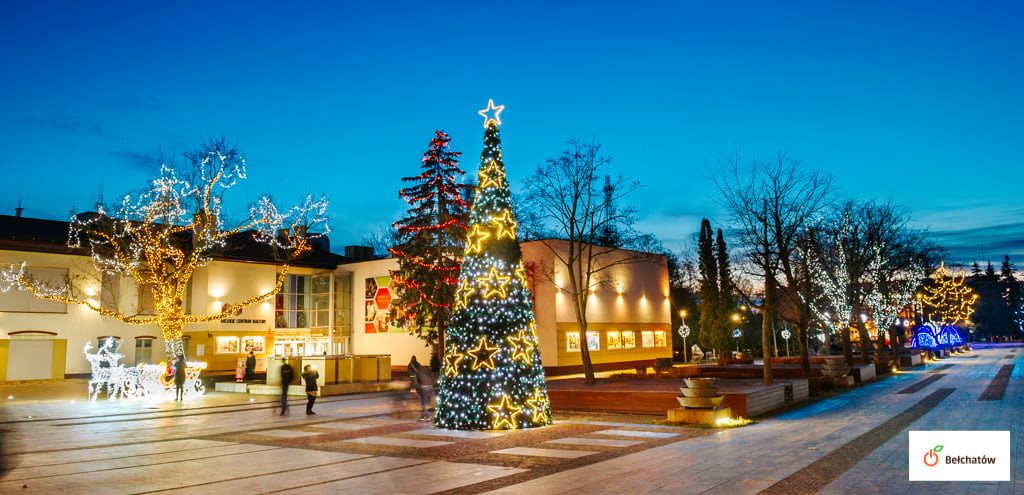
(786, 335)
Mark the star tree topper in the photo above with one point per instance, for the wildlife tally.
(497, 113)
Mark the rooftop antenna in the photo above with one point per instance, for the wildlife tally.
(19, 209)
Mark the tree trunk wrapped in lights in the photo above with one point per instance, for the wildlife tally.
(162, 235)
(492, 376)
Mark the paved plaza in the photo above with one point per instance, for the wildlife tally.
(372, 443)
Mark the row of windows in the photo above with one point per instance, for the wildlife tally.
(110, 294)
(617, 339)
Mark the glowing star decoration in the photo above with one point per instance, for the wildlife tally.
(462, 294)
(452, 360)
(483, 355)
(485, 113)
(494, 284)
(522, 347)
(521, 273)
(506, 226)
(504, 414)
(476, 238)
(492, 176)
(538, 403)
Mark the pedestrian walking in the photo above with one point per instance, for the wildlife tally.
(179, 378)
(287, 375)
(310, 375)
(250, 367)
(423, 383)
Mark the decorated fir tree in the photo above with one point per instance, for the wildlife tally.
(430, 241)
(492, 376)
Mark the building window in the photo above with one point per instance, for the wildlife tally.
(647, 338)
(594, 341)
(321, 294)
(614, 340)
(22, 301)
(660, 339)
(628, 339)
(292, 305)
(143, 350)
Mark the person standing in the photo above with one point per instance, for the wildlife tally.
(423, 383)
(310, 375)
(179, 378)
(250, 367)
(287, 375)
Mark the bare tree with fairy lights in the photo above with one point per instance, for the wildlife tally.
(161, 235)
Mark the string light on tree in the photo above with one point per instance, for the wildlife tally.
(948, 298)
(498, 383)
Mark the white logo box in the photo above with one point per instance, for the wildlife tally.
(961, 456)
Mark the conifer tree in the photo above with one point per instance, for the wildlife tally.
(1013, 295)
(492, 376)
(948, 300)
(712, 333)
(726, 304)
(429, 242)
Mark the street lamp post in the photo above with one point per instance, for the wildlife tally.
(736, 334)
(786, 335)
(684, 332)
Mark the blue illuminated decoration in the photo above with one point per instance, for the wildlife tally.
(925, 337)
(951, 336)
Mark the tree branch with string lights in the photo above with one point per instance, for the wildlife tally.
(161, 235)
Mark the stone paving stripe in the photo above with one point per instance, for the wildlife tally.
(941, 368)
(920, 385)
(344, 426)
(997, 387)
(211, 454)
(818, 474)
(1008, 356)
(399, 442)
(285, 433)
(140, 479)
(433, 476)
(44, 458)
(604, 442)
(637, 434)
(535, 452)
(471, 434)
(275, 482)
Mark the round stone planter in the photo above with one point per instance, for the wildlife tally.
(700, 402)
(699, 392)
(699, 382)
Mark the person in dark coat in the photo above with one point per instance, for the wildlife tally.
(310, 375)
(250, 367)
(287, 375)
(179, 378)
(423, 383)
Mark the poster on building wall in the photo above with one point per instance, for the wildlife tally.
(254, 344)
(379, 317)
(227, 345)
(572, 340)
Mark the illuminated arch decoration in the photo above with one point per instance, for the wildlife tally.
(949, 335)
(925, 337)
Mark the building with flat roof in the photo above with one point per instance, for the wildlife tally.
(330, 304)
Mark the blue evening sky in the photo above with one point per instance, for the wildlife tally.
(920, 101)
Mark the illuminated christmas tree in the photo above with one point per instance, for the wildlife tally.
(492, 376)
(949, 300)
(431, 239)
